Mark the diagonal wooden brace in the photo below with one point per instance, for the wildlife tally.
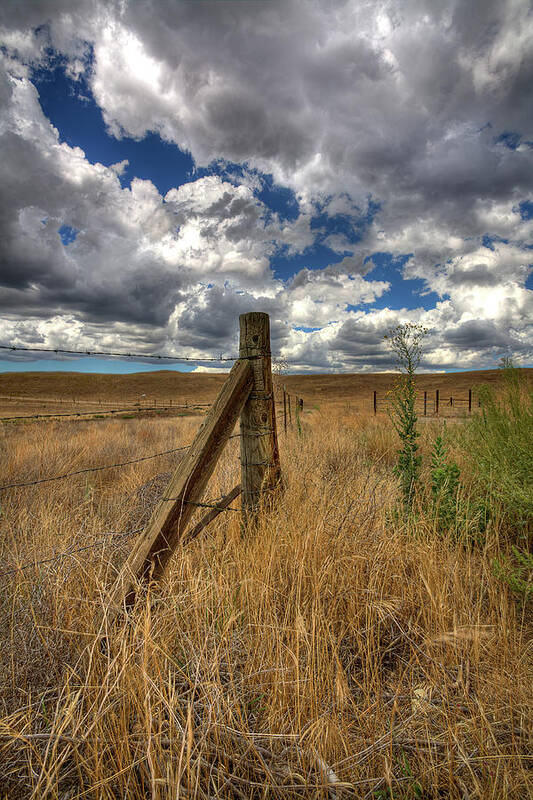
(221, 506)
(152, 553)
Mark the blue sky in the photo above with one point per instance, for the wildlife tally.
(158, 180)
(70, 107)
(115, 366)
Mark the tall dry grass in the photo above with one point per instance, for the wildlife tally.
(332, 651)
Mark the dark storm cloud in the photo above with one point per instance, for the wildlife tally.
(361, 337)
(476, 334)
(97, 275)
(212, 321)
(478, 275)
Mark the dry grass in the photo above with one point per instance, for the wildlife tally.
(331, 652)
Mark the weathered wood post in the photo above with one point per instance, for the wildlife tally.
(260, 468)
(375, 402)
(470, 401)
(425, 403)
(298, 408)
(436, 401)
(289, 406)
(284, 410)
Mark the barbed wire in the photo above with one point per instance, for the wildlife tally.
(111, 535)
(111, 466)
(118, 536)
(101, 411)
(203, 505)
(158, 356)
(94, 469)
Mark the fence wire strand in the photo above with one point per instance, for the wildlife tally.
(94, 469)
(158, 356)
(109, 466)
(204, 505)
(130, 409)
(111, 536)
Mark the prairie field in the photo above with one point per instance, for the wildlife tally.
(25, 391)
(334, 648)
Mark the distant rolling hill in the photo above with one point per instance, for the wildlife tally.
(167, 385)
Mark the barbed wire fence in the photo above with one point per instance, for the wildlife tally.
(290, 405)
(116, 538)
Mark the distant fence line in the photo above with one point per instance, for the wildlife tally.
(433, 404)
(137, 409)
(75, 400)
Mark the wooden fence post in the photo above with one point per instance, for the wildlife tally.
(436, 401)
(284, 410)
(298, 408)
(470, 401)
(375, 402)
(152, 552)
(260, 468)
(425, 403)
(289, 406)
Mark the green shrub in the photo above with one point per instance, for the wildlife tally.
(404, 341)
(498, 443)
(444, 486)
(517, 572)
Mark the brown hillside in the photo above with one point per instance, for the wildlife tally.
(360, 387)
(78, 386)
(168, 385)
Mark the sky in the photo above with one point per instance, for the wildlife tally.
(343, 165)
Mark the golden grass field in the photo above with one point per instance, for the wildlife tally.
(334, 650)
